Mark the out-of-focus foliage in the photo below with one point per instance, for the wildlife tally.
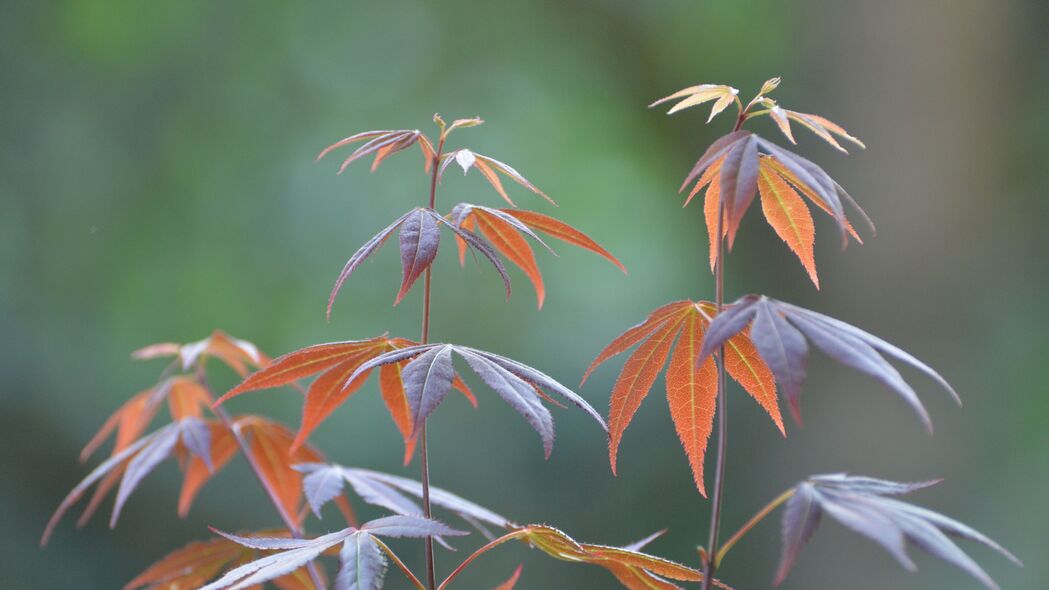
(157, 181)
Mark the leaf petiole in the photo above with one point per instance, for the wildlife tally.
(400, 564)
(750, 524)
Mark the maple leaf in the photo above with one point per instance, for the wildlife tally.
(822, 127)
(270, 444)
(336, 362)
(490, 168)
(697, 95)
(134, 462)
(382, 144)
(240, 355)
(780, 331)
(691, 387)
(867, 506)
(506, 230)
(429, 376)
(323, 482)
(419, 240)
(194, 564)
(362, 554)
(739, 165)
(632, 568)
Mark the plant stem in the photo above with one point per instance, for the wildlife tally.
(424, 455)
(491, 545)
(722, 409)
(289, 523)
(754, 520)
(722, 406)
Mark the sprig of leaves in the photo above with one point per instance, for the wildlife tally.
(630, 566)
(506, 230)
(324, 482)
(362, 555)
(490, 168)
(691, 388)
(867, 506)
(781, 332)
(419, 241)
(429, 374)
(335, 362)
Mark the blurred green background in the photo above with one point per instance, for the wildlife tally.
(157, 181)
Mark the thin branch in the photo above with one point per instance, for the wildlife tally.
(293, 528)
(710, 564)
(400, 564)
(491, 545)
(424, 454)
(750, 524)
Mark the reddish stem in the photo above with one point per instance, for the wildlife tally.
(710, 564)
(424, 455)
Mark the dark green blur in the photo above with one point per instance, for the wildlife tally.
(157, 181)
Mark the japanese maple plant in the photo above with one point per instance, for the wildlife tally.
(763, 344)
(759, 342)
(414, 377)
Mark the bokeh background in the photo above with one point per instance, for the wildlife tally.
(157, 181)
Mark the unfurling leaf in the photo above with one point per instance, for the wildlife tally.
(240, 355)
(429, 375)
(737, 165)
(490, 168)
(691, 388)
(826, 130)
(363, 560)
(633, 569)
(696, 95)
(382, 144)
(779, 332)
(865, 505)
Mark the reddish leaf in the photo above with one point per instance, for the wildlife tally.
(788, 215)
(691, 387)
(419, 239)
(562, 231)
(187, 398)
(635, 381)
(636, 334)
(514, 247)
(223, 448)
(362, 254)
(328, 391)
(382, 144)
(392, 387)
(270, 446)
(779, 332)
(692, 394)
(129, 422)
(191, 566)
(303, 363)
